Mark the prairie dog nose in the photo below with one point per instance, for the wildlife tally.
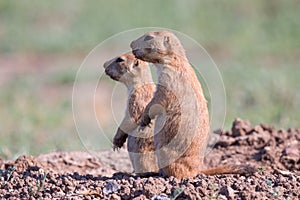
(106, 70)
(133, 45)
(106, 64)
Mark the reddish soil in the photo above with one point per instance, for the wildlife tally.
(82, 175)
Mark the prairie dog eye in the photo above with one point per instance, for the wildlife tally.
(119, 60)
(148, 37)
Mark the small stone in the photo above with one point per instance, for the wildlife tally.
(111, 187)
(284, 173)
(227, 191)
(115, 197)
(160, 197)
(240, 127)
(258, 129)
(140, 197)
(222, 197)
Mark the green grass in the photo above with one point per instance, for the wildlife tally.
(34, 123)
(263, 95)
(255, 45)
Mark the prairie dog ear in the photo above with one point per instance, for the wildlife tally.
(166, 40)
(136, 63)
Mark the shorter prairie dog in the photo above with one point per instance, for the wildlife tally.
(135, 74)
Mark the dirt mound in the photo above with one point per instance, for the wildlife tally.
(261, 146)
(82, 175)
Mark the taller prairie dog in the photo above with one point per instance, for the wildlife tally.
(180, 106)
(136, 76)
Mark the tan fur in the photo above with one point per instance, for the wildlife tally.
(136, 75)
(230, 169)
(181, 141)
(179, 93)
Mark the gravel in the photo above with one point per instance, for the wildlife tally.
(107, 175)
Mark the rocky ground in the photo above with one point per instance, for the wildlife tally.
(106, 175)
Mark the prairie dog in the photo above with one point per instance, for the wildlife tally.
(136, 76)
(181, 143)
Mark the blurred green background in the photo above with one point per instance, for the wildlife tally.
(255, 44)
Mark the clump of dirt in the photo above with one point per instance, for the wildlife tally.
(261, 145)
(82, 175)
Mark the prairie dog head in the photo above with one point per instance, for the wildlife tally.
(157, 47)
(128, 69)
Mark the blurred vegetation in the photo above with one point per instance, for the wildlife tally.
(256, 45)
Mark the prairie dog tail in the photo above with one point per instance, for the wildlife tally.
(230, 169)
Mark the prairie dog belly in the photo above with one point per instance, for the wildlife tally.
(140, 146)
